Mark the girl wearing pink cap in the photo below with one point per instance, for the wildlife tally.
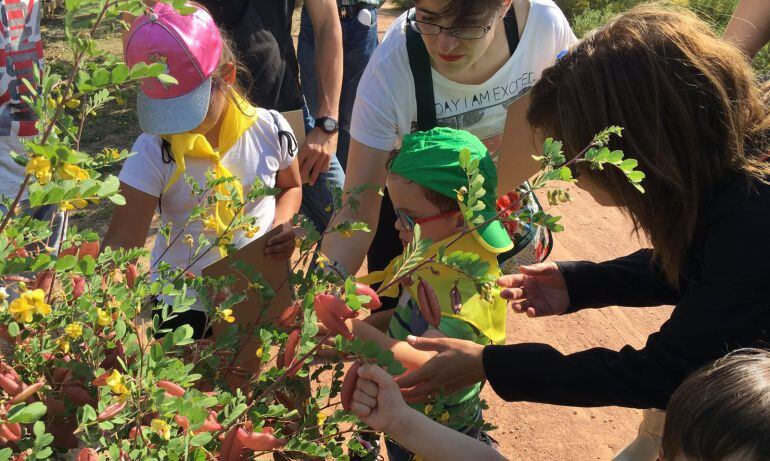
(202, 124)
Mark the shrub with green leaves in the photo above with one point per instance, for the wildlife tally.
(86, 365)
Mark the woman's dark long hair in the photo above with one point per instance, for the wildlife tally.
(690, 108)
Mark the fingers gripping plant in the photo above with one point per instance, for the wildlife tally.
(85, 365)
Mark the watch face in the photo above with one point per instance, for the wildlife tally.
(329, 124)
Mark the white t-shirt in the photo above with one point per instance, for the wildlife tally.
(386, 107)
(258, 153)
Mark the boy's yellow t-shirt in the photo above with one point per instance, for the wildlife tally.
(481, 321)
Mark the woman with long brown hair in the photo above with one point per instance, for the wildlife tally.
(694, 119)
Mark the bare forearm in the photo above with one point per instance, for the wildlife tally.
(409, 357)
(433, 441)
(287, 204)
(749, 27)
(328, 56)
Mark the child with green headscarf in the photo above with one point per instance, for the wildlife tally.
(424, 179)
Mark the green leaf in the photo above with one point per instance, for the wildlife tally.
(89, 414)
(13, 329)
(201, 439)
(65, 263)
(628, 164)
(615, 157)
(139, 70)
(117, 199)
(465, 158)
(565, 174)
(119, 74)
(26, 414)
(183, 335)
(100, 77)
(87, 265)
(5, 454)
(167, 79)
(120, 329)
(636, 176)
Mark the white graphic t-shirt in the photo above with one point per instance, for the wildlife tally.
(258, 153)
(386, 107)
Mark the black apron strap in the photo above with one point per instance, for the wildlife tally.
(419, 62)
(511, 30)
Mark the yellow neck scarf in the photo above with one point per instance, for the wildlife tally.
(238, 117)
(486, 316)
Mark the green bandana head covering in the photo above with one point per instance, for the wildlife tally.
(432, 160)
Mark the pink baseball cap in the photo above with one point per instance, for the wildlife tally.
(190, 46)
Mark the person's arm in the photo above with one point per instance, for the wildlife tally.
(378, 403)
(409, 357)
(366, 166)
(724, 307)
(749, 26)
(635, 280)
(287, 203)
(131, 222)
(319, 147)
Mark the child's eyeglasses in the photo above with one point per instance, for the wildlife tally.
(409, 222)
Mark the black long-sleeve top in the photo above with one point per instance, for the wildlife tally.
(722, 303)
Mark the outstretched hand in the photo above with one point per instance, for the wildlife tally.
(458, 364)
(538, 290)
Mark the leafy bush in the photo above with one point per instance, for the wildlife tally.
(86, 365)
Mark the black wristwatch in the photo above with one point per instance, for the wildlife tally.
(328, 125)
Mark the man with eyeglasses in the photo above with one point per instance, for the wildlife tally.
(455, 63)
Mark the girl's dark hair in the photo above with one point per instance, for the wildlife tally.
(691, 112)
(469, 11)
(722, 411)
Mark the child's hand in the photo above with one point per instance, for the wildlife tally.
(377, 400)
(281, 246)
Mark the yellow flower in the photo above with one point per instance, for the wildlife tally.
(74, 330)
(227, 315)
(428, 409)
(103, 318)
(322, 261)
(40, 167)
(63, 344)
(162, 427)
(117, 383)
(210, 223)
(70, 171)
(72, 103)
(251, 231)
(78, 203)
(30, 301)
(322, 418)
(444, 417)
(259, 353)
(346, 233)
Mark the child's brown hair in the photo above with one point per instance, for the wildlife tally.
(722, 411)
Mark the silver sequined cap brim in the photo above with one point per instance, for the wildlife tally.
(174, 115)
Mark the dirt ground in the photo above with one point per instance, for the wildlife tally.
(536, 432)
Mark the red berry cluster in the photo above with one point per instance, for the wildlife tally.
(505, 202)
